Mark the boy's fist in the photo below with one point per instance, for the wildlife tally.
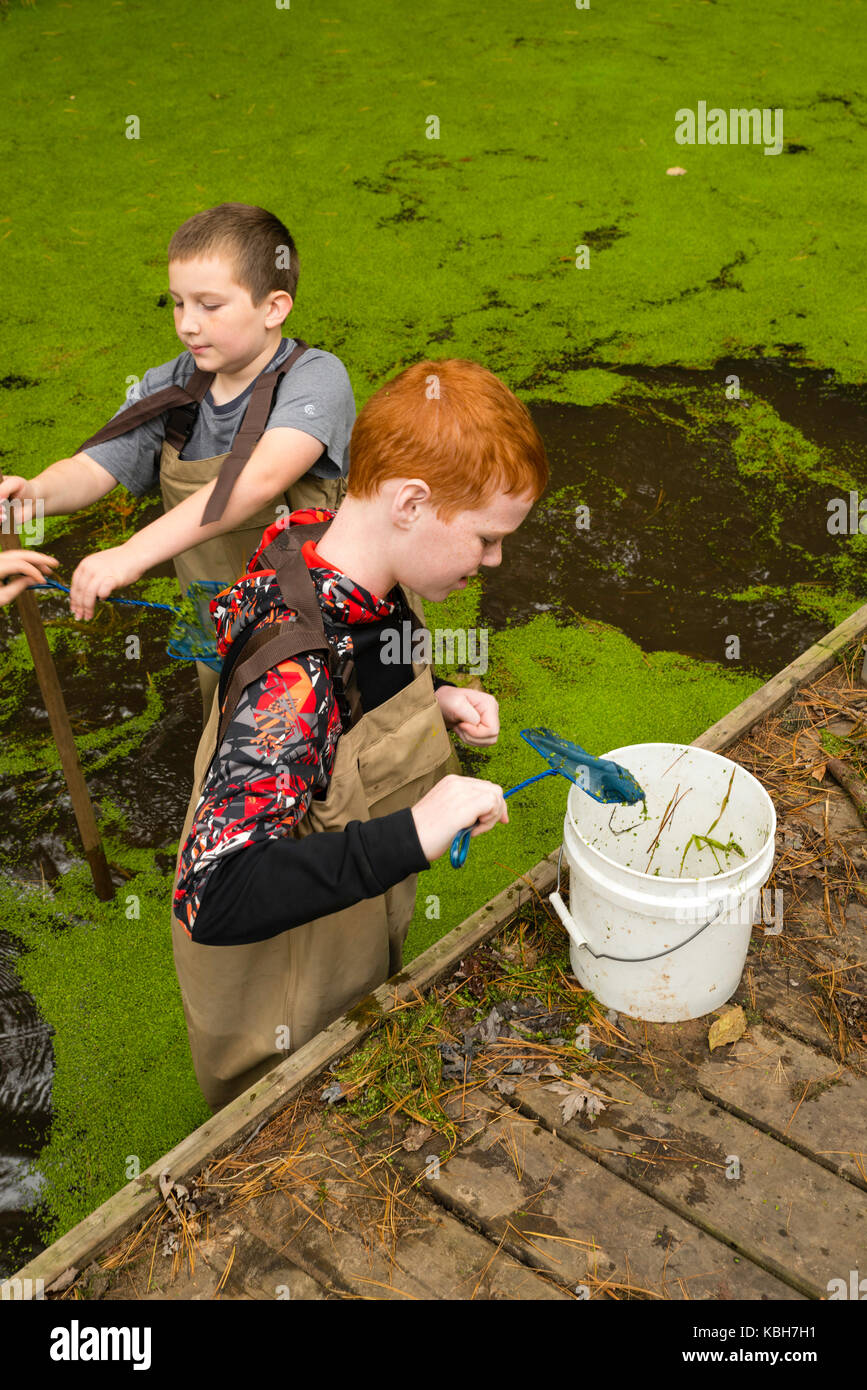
(452, 805)
(473, 715)
(98, 576)
(29, 565)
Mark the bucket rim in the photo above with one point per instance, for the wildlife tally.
(614, 756)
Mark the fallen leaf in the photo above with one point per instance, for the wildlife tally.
(415, 1136)
(166, 1186)
(819, 772)
(572, 1105)
(675, 169)
(63, 1280)
(579, 1097)
(727, 1029)
(513, 953)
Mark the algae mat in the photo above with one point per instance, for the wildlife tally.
(554, 128)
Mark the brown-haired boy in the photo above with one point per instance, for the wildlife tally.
(321, 786)
(269, 416)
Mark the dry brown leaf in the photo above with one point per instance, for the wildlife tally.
(63, 1280)
(579, 1098)
(819, 772)
(166, 1186)
(415, 1136)
(727, 1029)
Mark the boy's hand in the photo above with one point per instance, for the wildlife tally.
(21, 490)
(99, 575)
(472, 714)
(30, 565)
(452, 805)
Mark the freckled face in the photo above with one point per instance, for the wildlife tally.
(445, 554)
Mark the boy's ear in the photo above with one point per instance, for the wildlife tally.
(410, 495)
(279, 308)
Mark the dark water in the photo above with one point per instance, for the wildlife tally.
(688, 527)
(26, 1065)
(682, 527)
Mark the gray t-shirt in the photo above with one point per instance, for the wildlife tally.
(315, 396)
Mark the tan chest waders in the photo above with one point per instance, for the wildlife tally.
(224, 557)
(247, 1007)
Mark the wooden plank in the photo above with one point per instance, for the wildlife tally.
(785, 1213)
(439, 1259)
(783, 998)
(263, 1273)
(796, 1095)
(551, 1206)
(255, 1271)
(776, 692)
(407, 1248)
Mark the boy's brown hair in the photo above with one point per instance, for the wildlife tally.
(454, 425)
(262, 252)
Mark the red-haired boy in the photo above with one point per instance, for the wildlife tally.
(321, 786)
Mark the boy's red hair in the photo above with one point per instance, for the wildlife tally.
(454, 425)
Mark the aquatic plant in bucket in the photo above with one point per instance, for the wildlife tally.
(662, 901)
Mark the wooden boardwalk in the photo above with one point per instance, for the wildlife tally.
(686, 1173)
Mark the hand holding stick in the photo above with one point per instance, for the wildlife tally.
(52, 695)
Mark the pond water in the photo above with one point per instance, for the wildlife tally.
(675, 528)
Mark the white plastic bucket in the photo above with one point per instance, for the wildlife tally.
(651, 939)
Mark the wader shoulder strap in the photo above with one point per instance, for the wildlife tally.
(250, 432)
(180, 404)
(267, 646)
(186, 399)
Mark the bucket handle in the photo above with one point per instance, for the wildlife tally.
(577, 936)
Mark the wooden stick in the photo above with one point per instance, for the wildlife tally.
(851, 783)
(776, 692)
(52, 695)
